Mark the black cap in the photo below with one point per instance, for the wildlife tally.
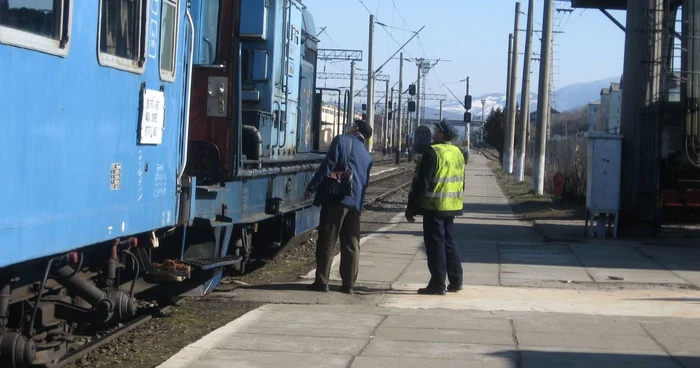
(364, 128)
(446, 127)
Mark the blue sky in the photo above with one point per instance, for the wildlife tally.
(473, 35)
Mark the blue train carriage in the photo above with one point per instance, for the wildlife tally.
(461, 140)
(92, 147)
(422, 138)
(251, 133)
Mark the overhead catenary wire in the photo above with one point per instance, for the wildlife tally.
(388, 29)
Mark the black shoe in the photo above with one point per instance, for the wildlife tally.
(454, 287)
(346, 290)
(431, 291)
(317, 287)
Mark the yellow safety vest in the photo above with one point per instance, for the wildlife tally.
(445, 192)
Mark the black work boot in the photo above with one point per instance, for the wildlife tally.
(346, 290)
(431, 291)
(454, 287)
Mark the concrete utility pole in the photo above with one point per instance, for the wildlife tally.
(418, 89)
(512, 104)
(441, 109)
(467, 86)
(483, 106)
(525, 93)
(351, 112)
(543, 99)
(370, 80)
(385, 129)
(505, 110)
(421, 96)
(392, 121)
(397, 140)
(468, 125)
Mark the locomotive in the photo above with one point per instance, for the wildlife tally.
(147, 145)
(422, 138)
(423, 135)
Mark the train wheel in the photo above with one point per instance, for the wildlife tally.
(176, 300)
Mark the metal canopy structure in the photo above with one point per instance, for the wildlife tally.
(600, 4)
(340, 54)
(324, 75)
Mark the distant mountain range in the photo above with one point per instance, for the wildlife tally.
(566, 98)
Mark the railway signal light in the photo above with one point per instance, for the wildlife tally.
(468, 102)
(412, 89)
(467, 117)
(411, 106)
(364, 107)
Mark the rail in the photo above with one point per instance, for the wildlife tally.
(387, 193)
(86, 349)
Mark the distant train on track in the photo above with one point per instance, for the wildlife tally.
(423, 137)
(146, 146)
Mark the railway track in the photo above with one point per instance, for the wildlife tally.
(75, 355)
(386, 185)
(390, 174)
(386, 160)
(387, 193)
(489, 155)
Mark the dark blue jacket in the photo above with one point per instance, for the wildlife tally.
(360, 164)
(423, 179)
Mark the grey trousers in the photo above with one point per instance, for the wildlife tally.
(338, 221)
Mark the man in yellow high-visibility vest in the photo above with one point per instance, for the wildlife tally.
(436, 194)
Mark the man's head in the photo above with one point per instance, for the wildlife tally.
(444, 131)
(360, 126)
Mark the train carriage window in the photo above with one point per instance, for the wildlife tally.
(168, 39)
(42, 25)
(122, 37)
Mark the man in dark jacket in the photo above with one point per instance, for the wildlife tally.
(341, 217)
(436, 194)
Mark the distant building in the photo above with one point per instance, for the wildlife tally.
(604, 109)
(330, 125)
(614, 109)
(594, 116)
(460, 125)
(610, 107)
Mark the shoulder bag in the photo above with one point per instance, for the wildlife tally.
(339, 182)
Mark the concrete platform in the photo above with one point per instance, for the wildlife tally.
(366, 336)
(526, 303)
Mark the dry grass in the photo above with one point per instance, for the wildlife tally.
(527, 203)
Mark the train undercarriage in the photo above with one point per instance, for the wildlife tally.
(45, 304)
